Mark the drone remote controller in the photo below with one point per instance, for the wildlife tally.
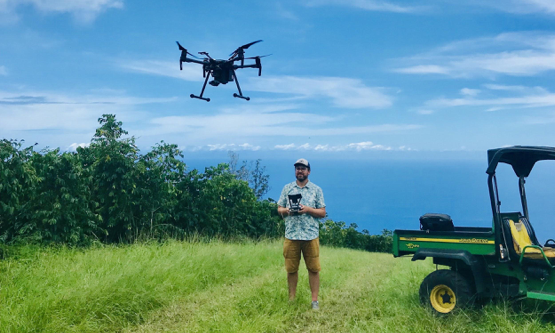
(295, 202)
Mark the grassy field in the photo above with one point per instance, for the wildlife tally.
(223, 287)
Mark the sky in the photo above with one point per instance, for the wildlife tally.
(357, 78)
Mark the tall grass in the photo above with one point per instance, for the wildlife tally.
(199, 286)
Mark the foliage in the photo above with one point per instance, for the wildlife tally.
(252, 172)
(339, 235)
(109, 191)
(18, 184)
(63, 208)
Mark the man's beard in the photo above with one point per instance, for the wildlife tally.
(301, 178)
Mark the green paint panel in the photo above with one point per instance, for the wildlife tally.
(395, 245)
(478, 249)
(542, 296)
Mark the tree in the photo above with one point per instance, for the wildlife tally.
(159, 173)
(18, 182)
(63, 208)
(114, 172)
(253, 173)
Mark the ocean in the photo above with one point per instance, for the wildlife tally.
(393, 194)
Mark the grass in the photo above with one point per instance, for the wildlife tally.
(230, 287)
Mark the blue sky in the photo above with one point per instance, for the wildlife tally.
(351, 76)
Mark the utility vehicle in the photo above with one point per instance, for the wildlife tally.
(504, 260)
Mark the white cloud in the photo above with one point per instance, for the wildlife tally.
(370, 5)
(260, 107)
(423, 69)
(190, 72)
(358, 147)
(354, 147)
(547, 119)
(42, 110)
(202, 128)
(290, 146)
(518, 97)
(516, 54)
(427, 6)
(516, 89)
(469, 92)
(343, 92)
(72, 118)
(521, 6)
(3, 71)
(425, 112)
(73, 146)
(227, 146)
(281, 11)
(84, 11)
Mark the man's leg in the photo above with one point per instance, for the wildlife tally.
(314, 281)
(311, 253)
(292, 279)
(292, 255)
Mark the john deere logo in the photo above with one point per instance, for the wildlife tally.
(474, 240)
(412, 246)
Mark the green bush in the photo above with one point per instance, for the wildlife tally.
(337, 234)
(110, 192)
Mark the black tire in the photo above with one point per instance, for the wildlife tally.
(445, 291)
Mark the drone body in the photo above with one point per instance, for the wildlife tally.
(222, 71)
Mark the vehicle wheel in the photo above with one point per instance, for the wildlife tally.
(446, 291)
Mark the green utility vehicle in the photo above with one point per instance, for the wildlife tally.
(505, 260)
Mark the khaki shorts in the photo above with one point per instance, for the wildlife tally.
(292, 253)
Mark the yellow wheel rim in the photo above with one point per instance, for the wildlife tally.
(443, 299)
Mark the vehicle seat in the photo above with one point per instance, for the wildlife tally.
(521, 238)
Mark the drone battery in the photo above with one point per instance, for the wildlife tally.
(436, 222)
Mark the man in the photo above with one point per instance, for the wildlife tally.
(302, 229)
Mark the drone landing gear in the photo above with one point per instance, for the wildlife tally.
(241, 96)
(239, 88)
(202, 92)
(200, 97)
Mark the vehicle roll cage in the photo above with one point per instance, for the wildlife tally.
(522, 159)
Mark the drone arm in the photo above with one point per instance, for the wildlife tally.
(201, 62)
(245, 66)
(182, 60)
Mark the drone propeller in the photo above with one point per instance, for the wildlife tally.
(241, 49)
(184, 53)
(206, 54)
(258, 57)
(258, 62)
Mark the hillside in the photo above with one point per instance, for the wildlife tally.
(240, 287)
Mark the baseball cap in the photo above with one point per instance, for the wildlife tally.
(302, 161)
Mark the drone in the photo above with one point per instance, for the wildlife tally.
(222, 71)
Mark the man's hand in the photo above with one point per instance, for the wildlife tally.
(304, 209)
(316, 212)
(283, 211)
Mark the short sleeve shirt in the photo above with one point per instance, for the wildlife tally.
(302, 226)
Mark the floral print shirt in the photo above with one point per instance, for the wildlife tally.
(302, 226)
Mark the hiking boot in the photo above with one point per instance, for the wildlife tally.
(315, 305)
